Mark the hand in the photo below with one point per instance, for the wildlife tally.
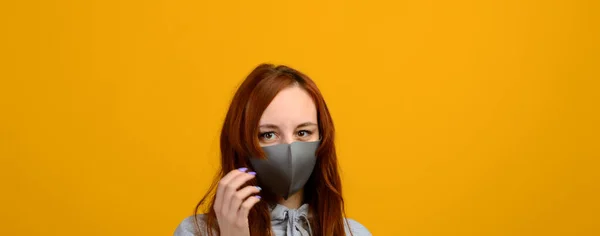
(232, 204)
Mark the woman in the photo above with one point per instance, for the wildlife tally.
(279, 171)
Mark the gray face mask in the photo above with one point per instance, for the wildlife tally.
(287, 166)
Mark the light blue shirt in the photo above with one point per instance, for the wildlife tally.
(284, 222)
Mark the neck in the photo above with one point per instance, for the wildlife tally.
(294, 201)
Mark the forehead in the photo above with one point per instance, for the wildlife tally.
(290, 107)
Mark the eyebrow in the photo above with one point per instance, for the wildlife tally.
(272, 126)
(305, 124)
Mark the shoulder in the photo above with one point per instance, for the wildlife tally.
(356, 228)
(188, 226)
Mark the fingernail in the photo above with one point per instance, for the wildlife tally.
(243, 169)
(257, 196)
(252, 173)
(259, 188)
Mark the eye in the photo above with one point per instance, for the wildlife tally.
(267, 136)
(304, 133)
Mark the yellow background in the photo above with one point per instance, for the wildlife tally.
(453, 117)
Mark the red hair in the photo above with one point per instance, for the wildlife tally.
(239, 141)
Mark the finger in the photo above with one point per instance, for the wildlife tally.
(241, 195)
(242, 218)
(231, 188)
(221, 187)
(223, 184)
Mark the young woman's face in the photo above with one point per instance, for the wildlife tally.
(291, 116)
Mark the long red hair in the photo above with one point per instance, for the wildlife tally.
(239, 141)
